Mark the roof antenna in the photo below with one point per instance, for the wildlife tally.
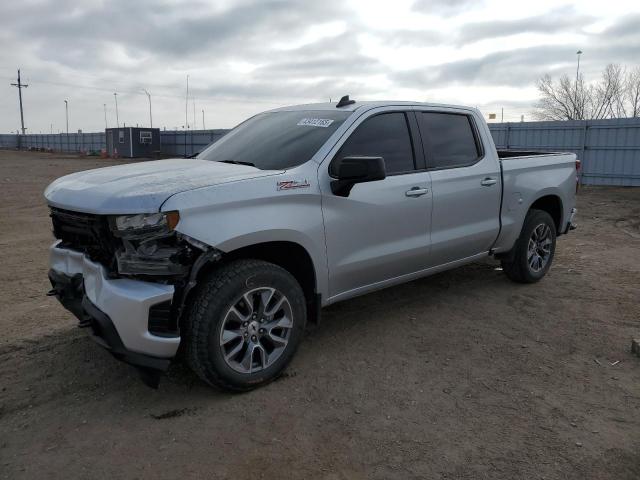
(344, 101)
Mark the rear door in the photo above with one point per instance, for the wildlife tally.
(466, 186)
(381, 230)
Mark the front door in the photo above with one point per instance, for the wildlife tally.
(381, 230)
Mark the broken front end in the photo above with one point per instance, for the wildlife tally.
(126, 278)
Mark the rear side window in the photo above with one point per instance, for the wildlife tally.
(385, 135)
(449, 139)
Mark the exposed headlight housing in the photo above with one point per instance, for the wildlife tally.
(143, 223)
(150, 246)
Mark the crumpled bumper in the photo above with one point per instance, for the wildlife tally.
(117, 310)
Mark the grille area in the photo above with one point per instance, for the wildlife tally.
(87, 233)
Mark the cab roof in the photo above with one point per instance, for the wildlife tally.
(358, 105)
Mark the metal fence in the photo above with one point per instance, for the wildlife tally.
(184, 143)
(173, 143)
(59, 142)
(74, 142)
(609, 149)
(8, 141)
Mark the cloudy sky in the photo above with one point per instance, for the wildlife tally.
(244, 56)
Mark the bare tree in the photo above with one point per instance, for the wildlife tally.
(557, 101)
(606, 96)
(633, 92)
(567, 99)
(615, 95)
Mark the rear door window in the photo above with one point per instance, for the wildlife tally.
(449, 139)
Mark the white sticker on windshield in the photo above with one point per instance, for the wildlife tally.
(315, 122)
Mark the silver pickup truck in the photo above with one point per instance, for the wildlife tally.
(224, 258)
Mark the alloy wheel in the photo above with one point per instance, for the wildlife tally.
(539, 248)
(256, 330)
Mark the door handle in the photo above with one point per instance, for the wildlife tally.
(487, 182)
(416, 192)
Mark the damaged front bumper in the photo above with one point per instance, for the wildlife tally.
(119, 311)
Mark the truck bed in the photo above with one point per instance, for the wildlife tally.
(535, 174)
(509, 154)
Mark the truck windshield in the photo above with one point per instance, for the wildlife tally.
(276, 140)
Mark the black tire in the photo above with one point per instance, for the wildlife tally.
(516, 263)
(217, 293)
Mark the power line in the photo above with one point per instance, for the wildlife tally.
(20, 86)
(201, 94)
(100, 89)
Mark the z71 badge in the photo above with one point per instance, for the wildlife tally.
(291, 184)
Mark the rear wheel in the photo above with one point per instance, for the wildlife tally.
(533, 252)
(245, 325)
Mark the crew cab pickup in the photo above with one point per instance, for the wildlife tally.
(228, 255)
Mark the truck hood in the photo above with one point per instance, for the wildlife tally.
(141, 187)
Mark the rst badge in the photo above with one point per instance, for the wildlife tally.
(291, 184)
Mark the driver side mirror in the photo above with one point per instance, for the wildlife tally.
(348, 171)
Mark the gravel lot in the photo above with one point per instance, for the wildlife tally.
(461, 375)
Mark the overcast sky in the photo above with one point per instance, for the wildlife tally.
(246, 56)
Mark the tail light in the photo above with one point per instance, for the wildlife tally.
(578, 165)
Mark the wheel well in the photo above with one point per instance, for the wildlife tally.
(288, 255)
(553, 206)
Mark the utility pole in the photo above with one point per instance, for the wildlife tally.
(105, 115)
(149, 97)
(186, 106)
(502, 115)
(20, 86)
(203, 127)
(66, 113)
(115, 96)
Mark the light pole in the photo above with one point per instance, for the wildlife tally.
(115, 96)
(149, 97)
(105, 115)
(203, 119)
(578, 53)
(186, 106)
(66, 113)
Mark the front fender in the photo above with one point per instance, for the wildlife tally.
(232, 216)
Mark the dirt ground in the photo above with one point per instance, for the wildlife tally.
(461, 375)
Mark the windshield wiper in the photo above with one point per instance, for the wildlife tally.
(238, 162)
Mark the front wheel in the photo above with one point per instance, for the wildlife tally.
(246, 322)
(533, 252)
